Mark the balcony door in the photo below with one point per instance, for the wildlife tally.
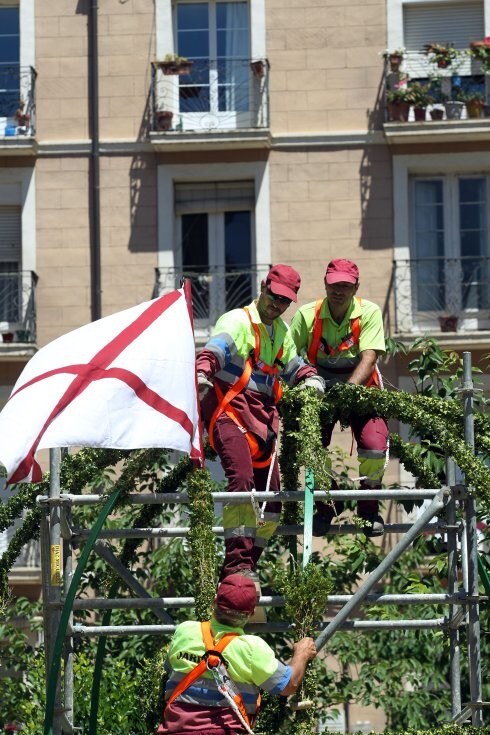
(216, 247)
(9, 64)
(451, 250)
(216, 37)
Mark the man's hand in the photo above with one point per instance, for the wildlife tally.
(313, 381)
(305, 648)
(204, 385)
(304, 651)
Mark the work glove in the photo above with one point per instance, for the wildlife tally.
(204, 385)
(313, 381)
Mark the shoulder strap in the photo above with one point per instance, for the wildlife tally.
(316, 334)
(210, 654)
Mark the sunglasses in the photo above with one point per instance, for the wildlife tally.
(280, 299)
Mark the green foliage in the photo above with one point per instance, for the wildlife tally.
(203, 542)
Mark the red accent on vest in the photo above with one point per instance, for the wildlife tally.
(224, 401)
(209, 659)
(349, 340)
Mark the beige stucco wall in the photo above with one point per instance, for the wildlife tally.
(325, 63)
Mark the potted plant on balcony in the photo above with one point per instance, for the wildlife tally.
(442, 55)
(398, 104)
(394, 58)
(163, 119)
(475, 102)
(258, 67)
(175, 64)
(480, 50)
(419, 97)
(22, 117)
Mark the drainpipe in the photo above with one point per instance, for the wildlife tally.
(94, 163)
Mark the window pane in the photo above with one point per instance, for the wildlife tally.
(9, 61)
(473, 243)
(428, 271)
(195, 260)
(192, 16)
(238, 256)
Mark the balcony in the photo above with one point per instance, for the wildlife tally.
(439, 121)
(17, 109)
(214, 103)
(18, 313)
(214, 290)
(446, 297)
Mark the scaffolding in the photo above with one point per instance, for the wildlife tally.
(61, 578)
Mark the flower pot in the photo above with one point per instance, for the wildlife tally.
(258, 68)
(163, 119)
(454, 110)
(173, 67)
(475, 109)
(7, 337)
(436, 113)
(443, 63)
(448, 323)
(419, 113)
(398, 111)
(395, 61)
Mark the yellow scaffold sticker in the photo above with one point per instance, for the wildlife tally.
(55, 564)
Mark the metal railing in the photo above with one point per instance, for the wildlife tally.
(463, 76)
(17, 100)
(435, 290)
(215, 94)
(214, 290)
(18, 313)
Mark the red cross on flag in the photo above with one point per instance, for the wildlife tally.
(126, 381)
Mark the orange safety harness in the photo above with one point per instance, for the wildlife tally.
(349, 340)
(253, 361)
(212, 660)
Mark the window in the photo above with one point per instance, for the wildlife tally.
(220, 38)
(215, 36)
(9, 61)
(10, 260)
(214, 225)
(215, 247)
(450, 245)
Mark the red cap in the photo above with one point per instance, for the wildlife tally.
(284, 281)
(342, 270)
(237, 592)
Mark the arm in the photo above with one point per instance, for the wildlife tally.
(304, 651)
(364, 369)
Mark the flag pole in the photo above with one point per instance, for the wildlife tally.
(187, 287)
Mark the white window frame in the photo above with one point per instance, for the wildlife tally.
(27, 35)
(169, 233)
(437, 165)
(166, 35)
(18, 187)
(417, 65)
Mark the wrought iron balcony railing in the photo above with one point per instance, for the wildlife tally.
(214, 290)
(442, 293)
(463, 77)
(210, 94)
(18, 306)
(17, 100)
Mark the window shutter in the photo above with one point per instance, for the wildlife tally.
(212, 197)
(10, 234)
(456, 23)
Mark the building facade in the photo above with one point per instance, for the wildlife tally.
(124, 167)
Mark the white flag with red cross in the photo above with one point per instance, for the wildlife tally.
(126, 381)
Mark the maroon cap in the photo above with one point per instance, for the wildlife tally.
(284, 281)
(237, 592)
(341, 270)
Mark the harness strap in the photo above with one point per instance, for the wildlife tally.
(234, 390)
(349, 340)
(211, 660)
(209, 655)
